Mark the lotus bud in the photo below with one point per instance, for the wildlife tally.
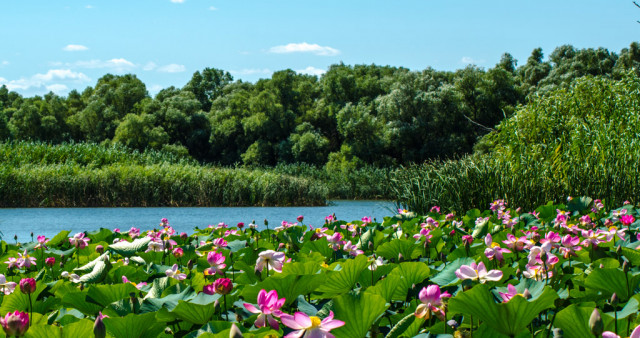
(370, 245)
(223, 286)
(99, 330)
(15, 324)
(558, 333)
(625, 266)
(614, 300)
(526, 294)
(50, 261)
(240, 225)
(601, 266)
(618, 250)
(184, 236)
(27, 285)
(190, 264)
(266, 223)
(300, 218)
(595, 323)
(518, 272)
(178, 252)
(100, 249)
(235, 332)
(168, 331)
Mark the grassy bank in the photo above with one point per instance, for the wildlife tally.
(81, 175)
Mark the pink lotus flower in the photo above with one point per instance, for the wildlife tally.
(310, 327)
(269, 305)
(537, 272)
(216, 261)
(570, 246)
(42, 241)
(478, 272)
(223, 286)
(79, 240)
(134, 232)
(614, 231)
(335, 241)
(536, 253)
(300, 218)
(352, 249)
(175, 273)
(551, 237)
(273, 260)
(435, 208)
(25, 261)
(366, 220)
(430, 223)
(515, 243)
(138, 286)
(423, 233)
(634, 334)
(592, 237)
(431, 299)
(7, 287)
(12, 262)
(493, 249)
(220, 243)
(15, 324)
(511, 292)
(209, 289)
(178, 252)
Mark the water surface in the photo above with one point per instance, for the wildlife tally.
(50, 221)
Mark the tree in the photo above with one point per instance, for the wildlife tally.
(208, 85)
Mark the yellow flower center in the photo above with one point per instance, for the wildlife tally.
(318, 230)
(613, 228)
(494, 244)
(315, 321)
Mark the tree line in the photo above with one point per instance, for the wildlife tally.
(348, 117)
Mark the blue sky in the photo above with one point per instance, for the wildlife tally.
(61, 45)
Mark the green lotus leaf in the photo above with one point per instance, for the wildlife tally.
(508, 318)
(359, 312)
(129, 249)
(134, 325)
(392, 250)
(194, 313)
(448, 276)
(106, 294)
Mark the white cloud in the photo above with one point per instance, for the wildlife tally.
(469, 60)
(251, 71)
(149, 66)
(311, 71)
(211, 8)
(4, 63)
(154, 89)
(116, 65)
(57, 88)
(74, 48)
(304, 48)
(88, 7)
(172, 68)
(42, 81)
(60, 74)
(177, 1)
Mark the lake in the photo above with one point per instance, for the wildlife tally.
(50, 221)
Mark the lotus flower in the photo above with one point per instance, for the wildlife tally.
(7, 287)
(79, 241)
(269, 305)
(134, 232)
(352, 249)
(335, 241)
(15, 324)
(216, 261)
(493, 249)
(25, 261)
(570, 246)
(138, 286)
(42, 241)
(27, 285)
(175, 273)
(431, 299)
(511, 292)
(273, 260)
(516, 243)
(478, 272)
(312, 327)
(12, 262)
(72, 276)
(223, 286)
(634, 334)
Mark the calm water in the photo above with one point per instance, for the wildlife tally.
(50, 221)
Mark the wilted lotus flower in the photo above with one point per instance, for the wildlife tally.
(313, 326)
(431, 299)
(272, 259)
(269, 306)
(15, 324)
(478, 272)
(79, 240)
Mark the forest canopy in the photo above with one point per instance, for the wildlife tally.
(349, 116)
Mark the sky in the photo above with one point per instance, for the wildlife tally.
(60, 45)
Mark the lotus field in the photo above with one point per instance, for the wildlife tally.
(567, 270)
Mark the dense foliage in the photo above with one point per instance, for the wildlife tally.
(583, 139)
(496, 273)
(351, 115)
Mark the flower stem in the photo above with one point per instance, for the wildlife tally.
(225, 307)
(30, 310)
